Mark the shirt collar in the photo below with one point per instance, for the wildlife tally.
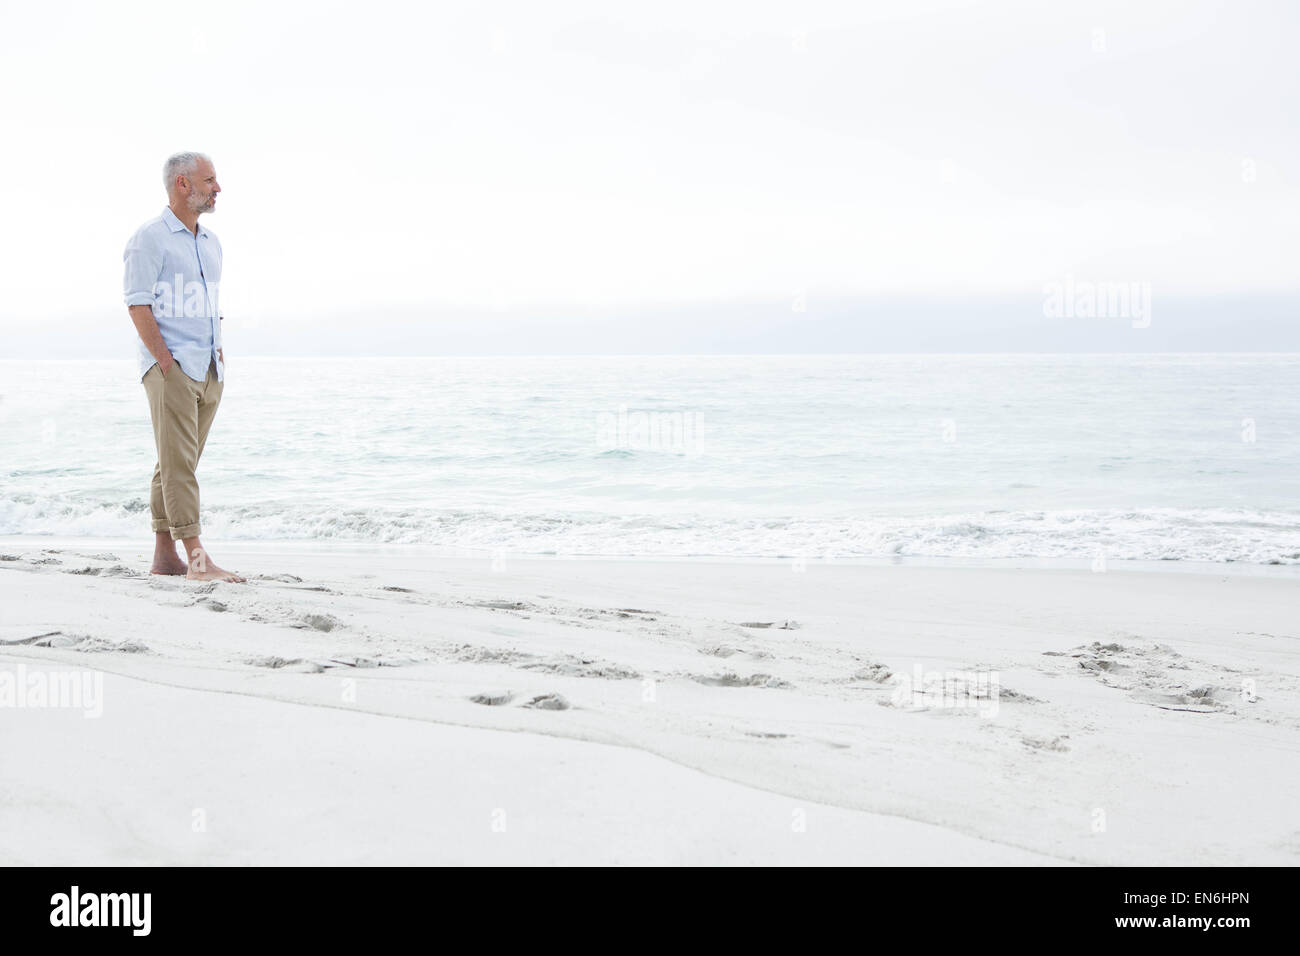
(174, 223)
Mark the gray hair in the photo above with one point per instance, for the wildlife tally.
(180, 164)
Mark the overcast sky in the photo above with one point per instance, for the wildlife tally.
(537, 159)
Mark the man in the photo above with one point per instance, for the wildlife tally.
(173, 273)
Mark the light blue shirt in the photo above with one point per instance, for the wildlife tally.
(178, 273)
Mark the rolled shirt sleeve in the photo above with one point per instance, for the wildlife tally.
(143, 268)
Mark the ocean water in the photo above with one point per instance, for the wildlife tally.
(1155, 457)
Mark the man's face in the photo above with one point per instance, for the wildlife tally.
(203, 188)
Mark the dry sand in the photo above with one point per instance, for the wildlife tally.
(385, 707)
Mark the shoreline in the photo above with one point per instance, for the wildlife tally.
(308, 546)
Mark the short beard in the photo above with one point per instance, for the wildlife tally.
(196, 206)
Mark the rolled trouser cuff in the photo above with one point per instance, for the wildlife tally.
(182, 410)
(159, 525)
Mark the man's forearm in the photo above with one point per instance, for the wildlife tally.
(147, 327)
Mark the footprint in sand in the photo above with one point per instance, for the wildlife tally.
(97, 644)
(493, 700)
(876, 673)
(581, 667)
(1006, 694)
(735, 680)
(1200, 700)
(319, 622)
(36, 640)
(548, 702)
(293, 664)
(1146, 674)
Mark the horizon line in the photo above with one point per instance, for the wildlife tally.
(513, 355)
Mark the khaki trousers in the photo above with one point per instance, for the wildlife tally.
(182, 411)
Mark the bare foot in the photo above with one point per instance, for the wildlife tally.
(202, 567)
(172, 565)
(212, 573)
(165, 558)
